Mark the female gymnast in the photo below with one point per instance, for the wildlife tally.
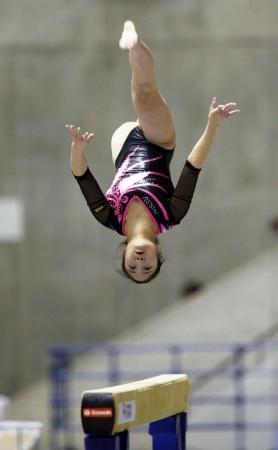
(142, 201)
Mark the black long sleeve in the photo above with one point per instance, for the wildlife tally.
(94, 196)
(183, 193)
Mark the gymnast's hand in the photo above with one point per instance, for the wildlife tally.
(79, 139)
(217, 113)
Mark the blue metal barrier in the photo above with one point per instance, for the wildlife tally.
(63, 374)
(276, 440)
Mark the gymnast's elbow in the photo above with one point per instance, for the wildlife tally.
(178, 213)
(177, 219)
(100, 212)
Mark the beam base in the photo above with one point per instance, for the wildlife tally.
(169, 433)
(118, 441)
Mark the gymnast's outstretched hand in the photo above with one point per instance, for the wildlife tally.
(217, 113)
(79, 139)
(78, 160)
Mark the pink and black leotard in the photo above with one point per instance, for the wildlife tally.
(143, 174)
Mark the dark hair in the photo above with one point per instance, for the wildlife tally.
(147, 280)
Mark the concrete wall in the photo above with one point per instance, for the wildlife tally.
(59, 63)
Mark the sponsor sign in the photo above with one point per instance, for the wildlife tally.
(97, 412)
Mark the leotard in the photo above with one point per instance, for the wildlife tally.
(142, 174)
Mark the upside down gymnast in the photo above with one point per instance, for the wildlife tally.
(142, 201)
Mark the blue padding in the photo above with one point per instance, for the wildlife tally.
(169, 433)
(119, 441)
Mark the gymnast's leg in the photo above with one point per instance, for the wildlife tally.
(151, 108)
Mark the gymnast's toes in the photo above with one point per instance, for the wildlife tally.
(129, 36)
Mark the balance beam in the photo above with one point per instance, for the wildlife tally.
(108, 414)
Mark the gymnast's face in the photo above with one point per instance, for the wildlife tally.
(141, 259)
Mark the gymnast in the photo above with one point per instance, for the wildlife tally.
(142, 201)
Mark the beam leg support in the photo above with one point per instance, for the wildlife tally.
(119, 441)
(169, 433)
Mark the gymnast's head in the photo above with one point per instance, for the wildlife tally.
(141, 259)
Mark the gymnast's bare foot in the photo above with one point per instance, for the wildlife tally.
(129, 36)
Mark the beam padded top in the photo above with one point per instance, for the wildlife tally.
(117, 408)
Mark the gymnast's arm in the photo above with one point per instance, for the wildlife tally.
(183, 193)
(182, 196)
(216, 116)
(94, 196)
